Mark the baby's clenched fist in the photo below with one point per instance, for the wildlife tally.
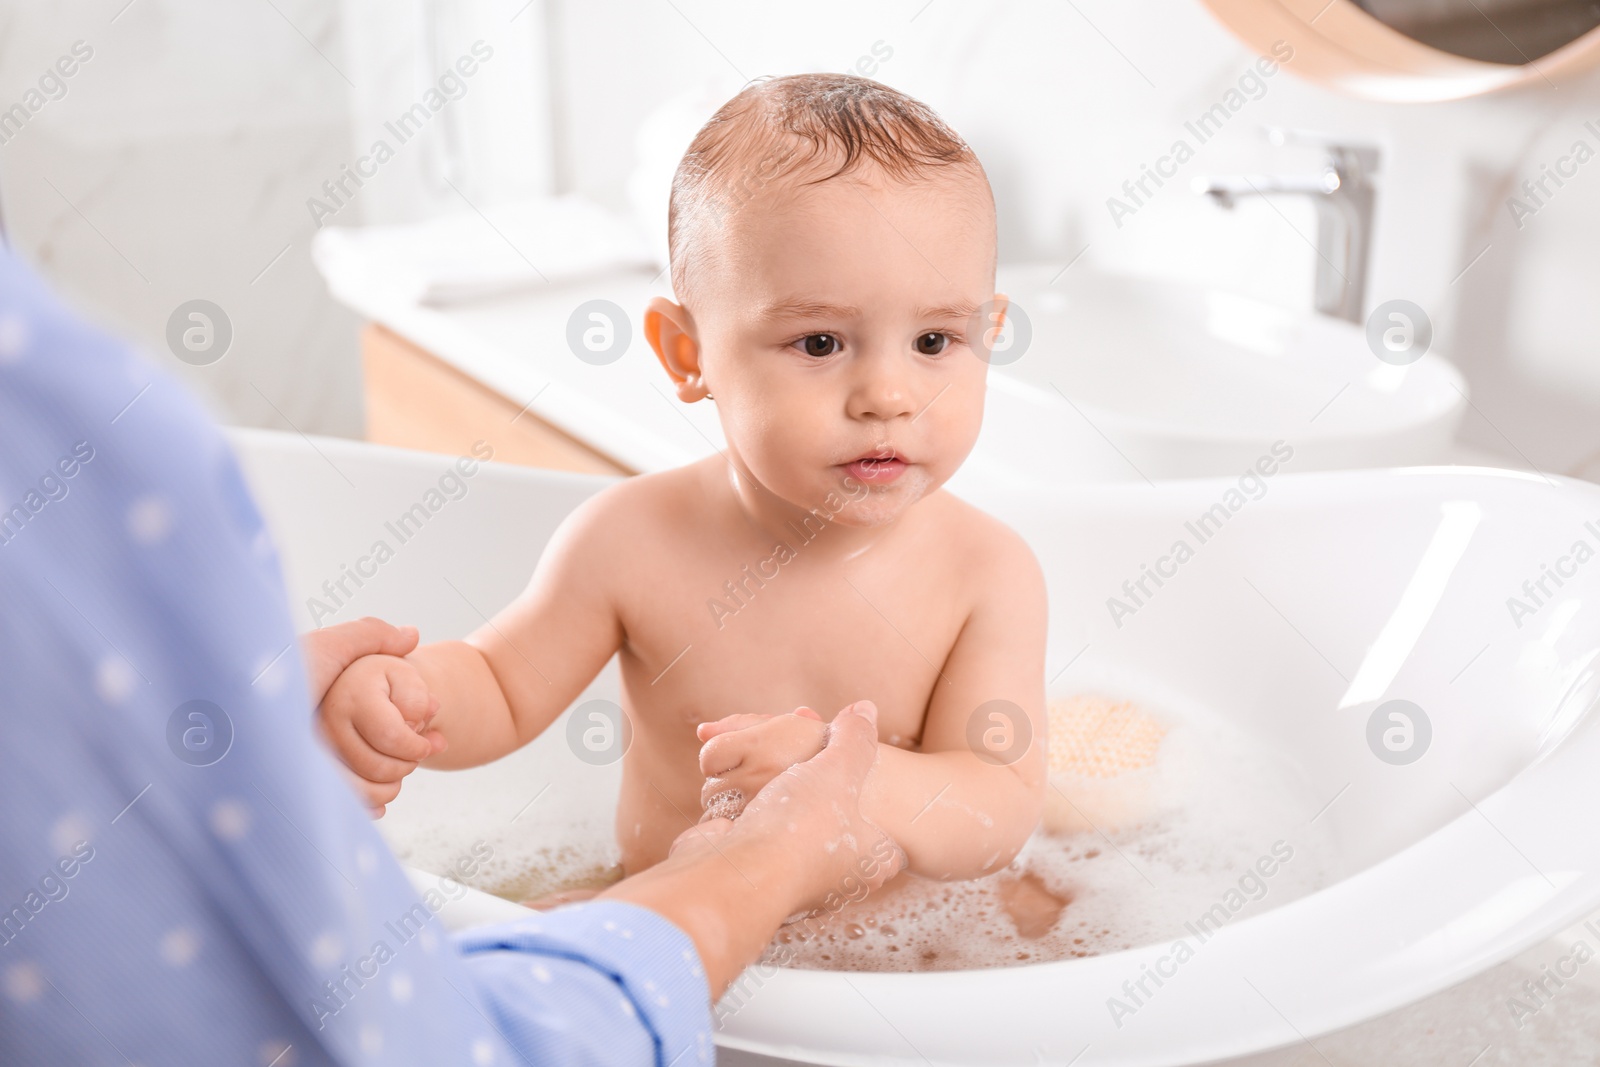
(376, 716)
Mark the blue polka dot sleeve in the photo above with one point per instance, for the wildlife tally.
(184, 876)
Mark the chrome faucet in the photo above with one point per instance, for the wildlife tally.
(1343, 194)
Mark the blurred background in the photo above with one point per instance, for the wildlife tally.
(183, 160)
(401, 220)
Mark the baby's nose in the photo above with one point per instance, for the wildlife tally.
(881, 392)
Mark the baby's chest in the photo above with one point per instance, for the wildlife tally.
(820, 643)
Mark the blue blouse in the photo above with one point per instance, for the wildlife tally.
(184, 876)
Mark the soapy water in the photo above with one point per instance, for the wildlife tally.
(1220, 829)
(1223, 831)
(512, 870)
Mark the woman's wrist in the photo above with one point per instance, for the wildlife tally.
(800, 842)
(728, 896)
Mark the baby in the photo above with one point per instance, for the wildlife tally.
(833, 248)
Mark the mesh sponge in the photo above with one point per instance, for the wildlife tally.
(1099, 737)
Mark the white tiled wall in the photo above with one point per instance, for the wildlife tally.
(176, 167)
(182, 159)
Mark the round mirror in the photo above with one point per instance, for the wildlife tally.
(1421, 50)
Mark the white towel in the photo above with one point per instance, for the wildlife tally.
(506, 249)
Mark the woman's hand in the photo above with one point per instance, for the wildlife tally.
(810, 810)
(802, 843)
(742, 753)
(329, 650)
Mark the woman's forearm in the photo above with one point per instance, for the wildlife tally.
(729, 900)
(800, 843)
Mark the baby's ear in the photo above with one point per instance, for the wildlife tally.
(1000, 309)
(670, 330)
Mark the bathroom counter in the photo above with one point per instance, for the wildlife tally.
(503, 371)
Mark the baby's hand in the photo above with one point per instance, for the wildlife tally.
(742, 753)
(376, 717)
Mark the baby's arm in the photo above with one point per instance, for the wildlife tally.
(498, 689)
(478, 699)
(965, 802)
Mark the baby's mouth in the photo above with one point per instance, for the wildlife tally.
(877, 468)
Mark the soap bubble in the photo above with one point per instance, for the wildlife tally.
(1220, 812)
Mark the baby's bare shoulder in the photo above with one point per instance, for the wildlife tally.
(615, 542)
(624, 509)
(627, 519)
(1000, 563)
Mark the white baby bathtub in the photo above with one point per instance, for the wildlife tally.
(1328, 595)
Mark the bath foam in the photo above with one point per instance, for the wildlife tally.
(1215, 802)
(517, 833)
(1102, 764)
(517, 867)
(725, 805)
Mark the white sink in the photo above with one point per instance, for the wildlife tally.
(1135, 378)
(1164, 381)
(1297, 618)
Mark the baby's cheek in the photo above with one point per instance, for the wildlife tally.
(956, 424)
(780, 448)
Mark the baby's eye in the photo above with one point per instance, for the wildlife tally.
(820, 345)
(931, 344)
